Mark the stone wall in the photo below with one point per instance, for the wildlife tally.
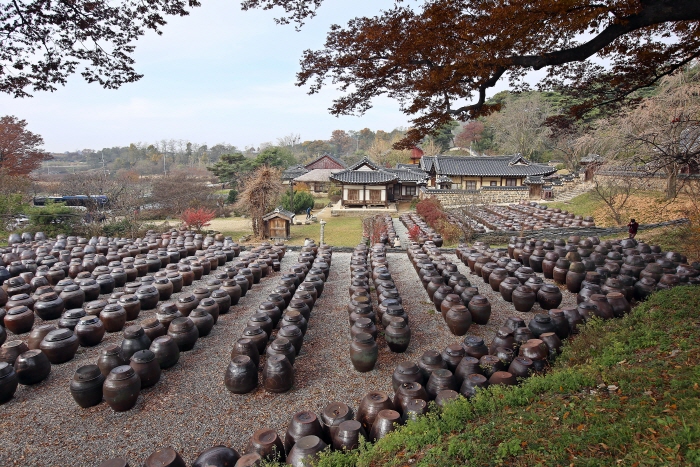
(651, 181)
(486, 195)
(500, 237)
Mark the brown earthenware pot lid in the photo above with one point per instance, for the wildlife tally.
(167, 308)
(219, 293)
(112, 308)
(23, 296)
(407, 368)
(88, 320)
(73, 313)
(87, 373)
(121, 372)
(17, 310)
(146, 289)
(290, 330)
(86, 282)
(149, 323)
(187, 298)
(252, 331)
(111, 349)
(207, 301)
(181, 324)
(58, 335)
(133, 331)
(129, 298)
(96, 304)
(143, 356)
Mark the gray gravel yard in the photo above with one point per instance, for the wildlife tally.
(190, 408)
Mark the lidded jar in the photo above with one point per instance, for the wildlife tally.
(184, 333)
(363, 352)
(166, 351)
(59, 345)
(135, 339)
(121, 388)
(278, 374)
(19, 319)
(86, 386)
(32, 367)
(146, 365)
(113, 316)
(110, 358)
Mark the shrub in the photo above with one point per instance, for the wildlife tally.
(54, 219)
(232, 196)
(302, 201)
(197, 218)
(414, 233)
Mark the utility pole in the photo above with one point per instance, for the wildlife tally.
(104, 169)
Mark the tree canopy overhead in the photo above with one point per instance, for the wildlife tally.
(438, 59)
(43, 42)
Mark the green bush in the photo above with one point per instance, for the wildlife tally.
(121, 228)
(302, 201)
(232, 197)
(54, 219)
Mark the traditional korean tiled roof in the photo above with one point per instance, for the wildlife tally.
(443, 179)
(407, 175)
(364, 161)
(534, 180)
(290, 173)
(341, 164)
(317, 175)
(279, 211)
(591, 158)
(364, 177)
(484, 166)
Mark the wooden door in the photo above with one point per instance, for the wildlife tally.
(375, 196)
(278, 228)
(353, 195)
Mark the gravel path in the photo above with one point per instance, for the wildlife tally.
(190, 408)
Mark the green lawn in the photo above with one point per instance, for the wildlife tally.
(339, 231)
(582, 205)
(624, 393)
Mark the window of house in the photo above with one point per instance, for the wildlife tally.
(471, 184)
(511, 182)
(493, 183)
(410, 190)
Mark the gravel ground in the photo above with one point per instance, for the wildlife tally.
(190, 408)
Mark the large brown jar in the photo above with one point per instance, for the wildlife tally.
(8, 382)
(304, 423)
(86, 386)
(282, 346)
(153, 328)
(439, 380)
(146, 365)
(333, 415)
(397, 334)
(472, 384)
(121, 388)
(113, 317)
(458, 319)
(59, 345)
(524, 298)
(406, 372)
(110, 358)
(95, 307)
(32, 367)
(370, 406)
(217, 456)
(19, 319)
(135, 339)
(480, 309)
(475, 347)
(363, 352)
(49, 306)
(267, 444)
(132, 306)
(467, 366)
(430, 361)
(278, 374)
(245, 346)
(347, 435)
(407, 392)
(294, 334)
(184, 333)
(186, 303)
(166, 351)
(507, 286)
(10, 350)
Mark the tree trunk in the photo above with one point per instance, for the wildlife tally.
(672, 185)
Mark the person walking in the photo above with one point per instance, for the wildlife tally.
(308, 213)
(633, 227)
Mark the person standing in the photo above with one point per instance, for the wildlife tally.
(308, 212)
(633, 227)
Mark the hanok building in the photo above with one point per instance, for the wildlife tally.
(315, 174)
(366, 184)
(474, 173)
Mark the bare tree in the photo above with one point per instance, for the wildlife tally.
(614, 189)
(260, 195)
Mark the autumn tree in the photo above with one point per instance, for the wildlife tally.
(180, 190)
(260, 195)
(438, 58)
(471, 133)
(43, 43)
(20, 153)
(342, 141)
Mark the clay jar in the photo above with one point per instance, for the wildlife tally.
(153, 328)
(186, 303)
(475, 347)
(146, 365)
(202, 320)
(430, 361)
(223, 300)
(59, 345)
(37, 335)
(278, 374)
(524, 298)
(549, 296)
(19, 319)
(110, 358)
(363, 352)
(542, 323)
(364, 325)
(449, 301)
(407, 392)
(267, 444)
(507, 286)
(32, 367)
(466, 367)
(294, 334)
(458, 319)
(304, 423)
(406, 372)
(257, 336)
(70, 318)
(619, 304)
(333, 415)
(132, 306)
(217, 456)
(135, 339)
(282, 346)
(385, 423)
(480, 309)
(245, 346)
(184, 333)
(370, 406)
(121, 388)
(113, 316)
(347, 435)
(49, 306)
(397, 334)
(472, 384)
(166, 351)
(440, 380)
(503, 338)
(8, 382)
(86, 386)
(167, 312)
(10, 350)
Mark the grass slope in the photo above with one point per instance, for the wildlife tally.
(624, 392)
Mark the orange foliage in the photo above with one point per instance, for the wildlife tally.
(197, 218)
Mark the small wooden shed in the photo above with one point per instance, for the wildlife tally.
(277, 224)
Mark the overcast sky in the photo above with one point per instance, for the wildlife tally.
(218, 75)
